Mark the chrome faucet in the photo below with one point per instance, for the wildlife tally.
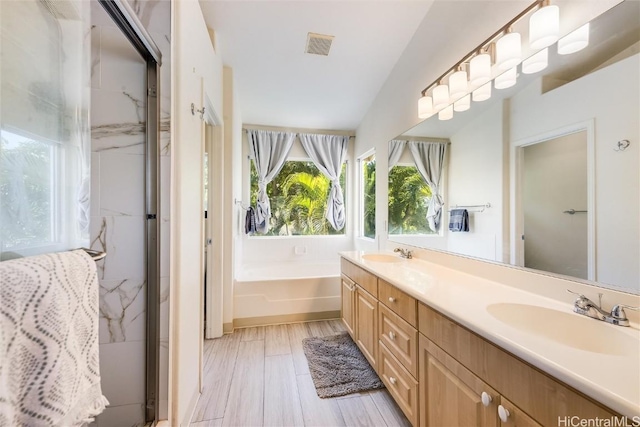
(404, 253)
(586, 307)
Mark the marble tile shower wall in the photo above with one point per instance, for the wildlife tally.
(118, 103)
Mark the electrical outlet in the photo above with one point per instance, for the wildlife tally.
(300, 250)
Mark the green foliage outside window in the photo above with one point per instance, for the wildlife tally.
(409, 196)
(25, 192)
(369, 195)
(298, 197)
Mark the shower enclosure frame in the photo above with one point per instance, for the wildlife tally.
(127, 20)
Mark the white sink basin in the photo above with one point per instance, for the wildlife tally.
(381, 258)
(568, 328)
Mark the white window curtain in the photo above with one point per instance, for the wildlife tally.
(396, 148)
(429, 158)
(268, 150)
(328, 153)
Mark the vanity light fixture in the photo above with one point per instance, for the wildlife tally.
(508, 50)
(458, 84)
(462, 104)
(505, 46)
(425, 107)
(537, 62)
(544, 26)
(440, 96)
(480, 69)
(482, 93)
(574, 41)
(446, 113)
(506, 79)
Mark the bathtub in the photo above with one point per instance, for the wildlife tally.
(286, 292)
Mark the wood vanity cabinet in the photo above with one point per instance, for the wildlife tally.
(531, 397)
(366, 325)
(360, 308)
(442, 374)
(348, 290)
(450, 394)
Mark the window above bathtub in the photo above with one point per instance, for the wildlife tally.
(298, 197)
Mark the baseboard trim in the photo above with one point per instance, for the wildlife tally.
(246, 322)
(227, 328)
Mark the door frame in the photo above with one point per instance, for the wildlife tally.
(126, 19)
(214, 227)
(516, 179)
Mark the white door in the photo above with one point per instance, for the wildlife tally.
(555, 205)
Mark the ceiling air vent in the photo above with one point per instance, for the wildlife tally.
(318, 44)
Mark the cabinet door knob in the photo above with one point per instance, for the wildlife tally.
(486, 398)
(503, 413)
(392, 380)
(392, 299)
(392, 335)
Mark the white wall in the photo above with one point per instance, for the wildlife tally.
(614, 106)
(195, 70)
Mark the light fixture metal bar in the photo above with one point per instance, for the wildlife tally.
(487, 42)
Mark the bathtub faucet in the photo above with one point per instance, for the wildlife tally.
(404, 253)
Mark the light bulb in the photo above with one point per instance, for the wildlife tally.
(425, 107)
(458, 85)
(537, 62)
(446, 114)
(462, 104)
(482, 93)
(480, 69)
(506, 79)
(508, 51)
(574, 41)
(440, 97)
(544, 27)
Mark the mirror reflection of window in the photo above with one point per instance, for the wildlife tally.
(409, 197)
(368, 192)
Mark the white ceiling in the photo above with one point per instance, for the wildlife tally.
(279, 85)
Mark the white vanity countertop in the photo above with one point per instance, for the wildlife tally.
(613, 380)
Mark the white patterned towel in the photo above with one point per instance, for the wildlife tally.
(49, 370)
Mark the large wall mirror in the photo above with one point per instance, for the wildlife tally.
(549, 169)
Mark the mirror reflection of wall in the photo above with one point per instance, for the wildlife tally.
(595, 92)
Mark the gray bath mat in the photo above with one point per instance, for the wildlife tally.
(337, 367)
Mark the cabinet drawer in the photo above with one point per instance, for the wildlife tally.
(366, 280)
(400, 338)
(520, 382)
(401, 385)
(400, 303)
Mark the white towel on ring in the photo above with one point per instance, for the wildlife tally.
(49, 366)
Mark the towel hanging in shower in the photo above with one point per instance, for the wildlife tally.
(50, 371)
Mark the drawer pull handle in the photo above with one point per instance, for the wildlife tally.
(392, 335)
(392, 380)
(392, 299)
(503, 413)
(486, 398)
